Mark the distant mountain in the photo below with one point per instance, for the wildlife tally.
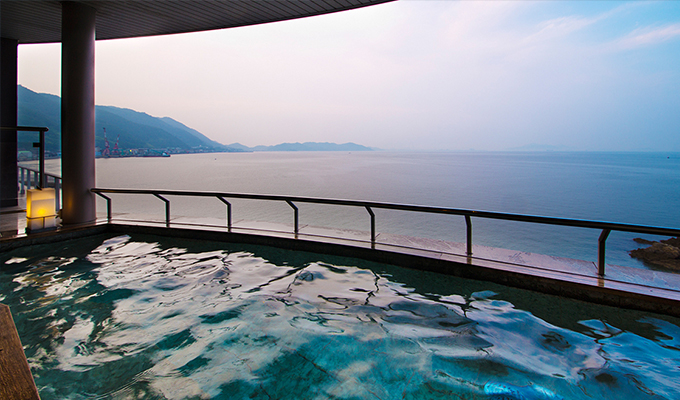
(239, 146)
(307, 146)
(137, 130)
(39, 110)
(132, 129)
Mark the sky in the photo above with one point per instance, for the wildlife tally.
(410, 75)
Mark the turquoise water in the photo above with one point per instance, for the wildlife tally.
(147, 318)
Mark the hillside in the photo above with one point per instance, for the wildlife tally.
(136, 129)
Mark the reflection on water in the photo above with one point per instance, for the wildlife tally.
(122, 317)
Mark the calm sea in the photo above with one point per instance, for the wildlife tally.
(637, 188)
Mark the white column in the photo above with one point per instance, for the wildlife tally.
(77, 113)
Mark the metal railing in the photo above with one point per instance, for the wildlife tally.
(604, 227)
(29, 178)
(40, 177)
(40, 144)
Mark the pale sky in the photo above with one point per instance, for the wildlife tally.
(418, 75)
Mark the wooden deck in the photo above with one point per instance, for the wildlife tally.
(16, 381)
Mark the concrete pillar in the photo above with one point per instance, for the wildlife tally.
(8, 117)
(77, 113)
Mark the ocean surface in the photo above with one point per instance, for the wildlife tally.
(636, 188)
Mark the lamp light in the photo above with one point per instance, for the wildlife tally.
(40, 210)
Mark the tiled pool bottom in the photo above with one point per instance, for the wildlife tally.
(161, 318)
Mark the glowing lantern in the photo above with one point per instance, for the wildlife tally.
(40, 210)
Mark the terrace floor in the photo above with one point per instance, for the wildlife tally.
(13, 219)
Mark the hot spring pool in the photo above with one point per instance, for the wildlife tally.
(159, 318)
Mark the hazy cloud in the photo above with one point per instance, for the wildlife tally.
(415, 75)
(650, 36)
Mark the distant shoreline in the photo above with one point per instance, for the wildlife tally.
(307, 146)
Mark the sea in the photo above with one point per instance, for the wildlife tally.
(635, 188)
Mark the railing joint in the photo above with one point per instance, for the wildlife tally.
(468, 226)
(296, 216)
(167, 208)
(108, 205)
(228, 212)
(601, 243)
(372, 214)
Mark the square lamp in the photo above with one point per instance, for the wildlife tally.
(40, 210)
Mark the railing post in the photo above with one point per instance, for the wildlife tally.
(22, 180)
(468, 225)
(167, 209)
(228, 212)
(600, 251)
(108, 206)
(296, 214)
(370, 212)
(41, 160)
(57, 193)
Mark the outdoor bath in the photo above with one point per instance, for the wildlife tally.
(119, 316)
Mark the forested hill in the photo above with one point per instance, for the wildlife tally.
(137, 130)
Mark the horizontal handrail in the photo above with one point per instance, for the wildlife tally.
(604, 226)
(47, 174)
(615, 226)
(25, 128)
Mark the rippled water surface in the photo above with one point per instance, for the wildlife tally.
(140, 317)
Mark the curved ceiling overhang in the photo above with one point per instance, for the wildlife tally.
(39, 21)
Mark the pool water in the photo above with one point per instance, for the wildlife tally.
(159, 318)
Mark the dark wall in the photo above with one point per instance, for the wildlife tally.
(8, 118)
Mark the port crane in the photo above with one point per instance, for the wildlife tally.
(107, 151)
